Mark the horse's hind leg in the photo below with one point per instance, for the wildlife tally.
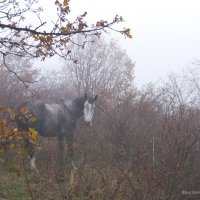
(31, 153)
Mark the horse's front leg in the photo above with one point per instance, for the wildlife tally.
(31, 153)
(70, 141)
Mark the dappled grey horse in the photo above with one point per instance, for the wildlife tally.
(57, 120)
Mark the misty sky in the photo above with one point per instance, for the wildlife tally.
(166, 34)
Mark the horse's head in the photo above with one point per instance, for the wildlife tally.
(88, 111)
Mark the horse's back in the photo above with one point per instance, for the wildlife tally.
(51, 119)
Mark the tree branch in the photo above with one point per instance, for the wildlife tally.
(34, 31)
(25, 83)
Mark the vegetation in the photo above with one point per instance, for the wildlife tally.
(43, 37)
(144, 144)
(39, 39)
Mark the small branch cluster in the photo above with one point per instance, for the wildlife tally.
(9, 134)
(18, 38)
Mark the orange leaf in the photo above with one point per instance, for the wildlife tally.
(23, 110)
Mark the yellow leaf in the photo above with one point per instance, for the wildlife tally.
(34, 134)
(33, 119)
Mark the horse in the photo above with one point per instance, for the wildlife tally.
(57, 120)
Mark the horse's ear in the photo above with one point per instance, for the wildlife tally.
(85, 96)
(95, 98)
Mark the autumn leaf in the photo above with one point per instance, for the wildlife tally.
(5, 110)
(127, 33)
(33, 119)
(16, 135)
(34, 134)
(23, 110)
(12, 138)
(26, 134)
(66, 3)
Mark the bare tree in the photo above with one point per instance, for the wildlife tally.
(102, 67)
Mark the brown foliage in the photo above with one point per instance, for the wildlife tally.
(12, 138)
(36, 40)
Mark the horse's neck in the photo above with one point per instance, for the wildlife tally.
(75, 107)
(78, 105)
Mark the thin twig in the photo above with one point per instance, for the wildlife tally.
(15, 73)
(54, 171)
(26, 180)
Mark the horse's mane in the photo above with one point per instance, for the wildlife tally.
(79, 101)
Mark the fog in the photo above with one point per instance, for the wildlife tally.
(165, 34)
